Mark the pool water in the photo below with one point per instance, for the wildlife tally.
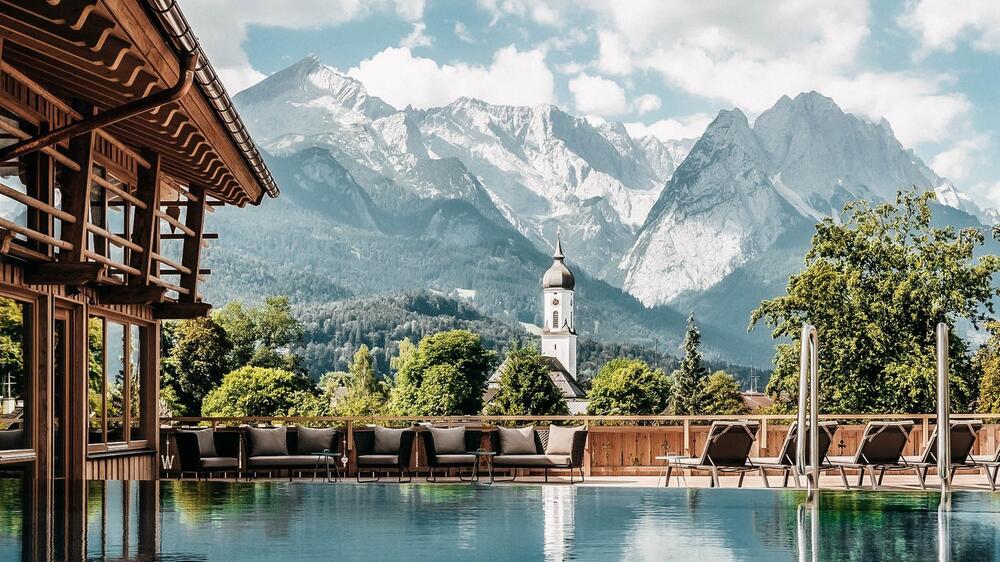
(303, 521)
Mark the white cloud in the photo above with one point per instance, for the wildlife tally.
(957, 162)
(538, 12)
(941, 24)
(597, 96)
(987, 194)
(462, 33)
(221, 26)
(513, 77)
(613, 56)
(646, 103)
(687, 127)
(416, 37)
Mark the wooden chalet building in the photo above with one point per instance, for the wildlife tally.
(116, 141)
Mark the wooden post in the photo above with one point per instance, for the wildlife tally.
(76, 197)
(195, 220)
(687, 437)
(150, 361)
(145, 228)
(762, 450)
(38, 166)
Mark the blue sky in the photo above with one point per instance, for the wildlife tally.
(662, 67)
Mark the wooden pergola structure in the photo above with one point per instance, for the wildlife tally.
(116, 140)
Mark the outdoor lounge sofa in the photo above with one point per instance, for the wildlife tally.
(557, 448)
(11, 439)
(786, 462)
(276, 449)
(206, 451)
(881, 448)
(450, 447)
(963, 437)
(382, 449)
(727, 449)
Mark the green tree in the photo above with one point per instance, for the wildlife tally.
(264, 335)
(876, 284)
(689, 379)
(11, 347)
(452, 362)
(987, 362)
(366, 395)
(258, 391)
(722, 395)
(628, 387)
(525, 387)
(201, 355)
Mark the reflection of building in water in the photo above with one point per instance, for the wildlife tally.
(559, 503)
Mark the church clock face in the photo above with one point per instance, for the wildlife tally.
(555, 302)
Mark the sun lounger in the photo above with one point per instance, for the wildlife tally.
(963, 437)
(726, 450)
(881, 449)
(785, 461)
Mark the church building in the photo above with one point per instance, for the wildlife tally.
(558, 343)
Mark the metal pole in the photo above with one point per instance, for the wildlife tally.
(808, 397)
(943, 417)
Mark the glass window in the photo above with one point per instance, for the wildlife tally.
(114, 379)
(135, 381)
(95, 380)
(14, 379)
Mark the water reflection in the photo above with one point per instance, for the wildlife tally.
(277, 521)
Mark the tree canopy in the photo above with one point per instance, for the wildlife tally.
(987, 361)
(628, 387)
(721, 395)
(366, 395)
(876, 283)
(689, 380)
(200, 357)
(259, 391)
(263, 335)
(444, 375)
(525, 387)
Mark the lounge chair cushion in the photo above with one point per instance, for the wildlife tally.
(266, 442)
(11, 439)
(306, 461)
(561, 440)
(456, 459)
(206, 442)
(517, 441)
(448, 441)
(378, 460)
(532, 460)
(387, 440)
(219, 463)
(314, 440)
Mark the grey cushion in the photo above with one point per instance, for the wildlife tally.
(387, 440)
(11, 439)
(314, 440)
(532, 460)
(457, 459)
(206, 442)
(378, 460)
(519, 441)
(220, 462)
(281, 461)
(448, 441)
(561, 440)
(268, 441)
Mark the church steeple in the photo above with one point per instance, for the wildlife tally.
(558, 276)
(558, 330)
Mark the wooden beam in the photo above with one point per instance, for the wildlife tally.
(62, 273)
(191, 257)
(181, 310)
(147, 189)
(76, 197)
(131, 295)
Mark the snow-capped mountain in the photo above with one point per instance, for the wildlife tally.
(538, 166)
(741, 188)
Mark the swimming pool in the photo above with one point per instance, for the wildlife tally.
(302, 521)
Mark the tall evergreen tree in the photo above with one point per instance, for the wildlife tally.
(689, 380)
(366, 396)
(525, 387)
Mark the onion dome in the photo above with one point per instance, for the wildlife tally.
(558, 276)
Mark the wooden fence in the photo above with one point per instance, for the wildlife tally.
(617, 445)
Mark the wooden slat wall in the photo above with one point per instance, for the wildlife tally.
(132, 467)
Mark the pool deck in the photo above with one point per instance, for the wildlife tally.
(892, 482)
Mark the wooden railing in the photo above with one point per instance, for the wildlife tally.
(618, 445)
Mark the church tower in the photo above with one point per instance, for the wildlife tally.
(558, 332)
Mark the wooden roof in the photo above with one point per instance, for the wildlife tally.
(110, 52)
